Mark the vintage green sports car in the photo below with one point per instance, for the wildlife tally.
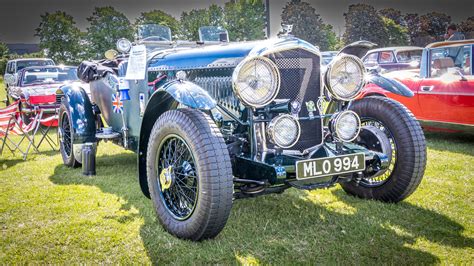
(213, 121)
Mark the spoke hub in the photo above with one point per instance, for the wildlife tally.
(166, 178)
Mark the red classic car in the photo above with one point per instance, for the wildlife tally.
(443, 87)
(36, 87)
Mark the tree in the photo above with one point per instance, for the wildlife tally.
(413, 23)
(192, 21)
(107, 25)
(307, 24)
(467, 27)
(3, 50)
(363, 23)
(245, 19)
(393, 14)
(161, 18)
(434, 24)
(60, 37)
(397, 34)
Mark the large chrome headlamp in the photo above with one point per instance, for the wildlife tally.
(345, 125)
(256, 81)
(345, 77)
(123, 45)
(284, 131)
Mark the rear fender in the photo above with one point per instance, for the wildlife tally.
(168, 97)
(82, 116)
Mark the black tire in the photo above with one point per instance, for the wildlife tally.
(213, 190)
(409, 161)
(66, 138)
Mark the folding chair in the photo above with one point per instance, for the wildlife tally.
(13, 125)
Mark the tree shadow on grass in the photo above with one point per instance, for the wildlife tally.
(294, 227)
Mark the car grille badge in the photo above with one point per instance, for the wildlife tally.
(295, 108)
(311, 107)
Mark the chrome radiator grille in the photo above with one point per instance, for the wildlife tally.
(301, 83)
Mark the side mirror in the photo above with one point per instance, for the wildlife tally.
(10, 79)
(111, 54)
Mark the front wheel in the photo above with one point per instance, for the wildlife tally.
(408, 151)
(66, 136)
(189, 174)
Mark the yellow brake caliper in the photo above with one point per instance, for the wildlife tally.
(165, 178)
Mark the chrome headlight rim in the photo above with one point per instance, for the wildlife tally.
(271, 130)
(335, 125)
(123, 49)
(329, 73)
(273, 69)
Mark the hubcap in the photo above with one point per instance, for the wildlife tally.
(177, 180)
(380, 178)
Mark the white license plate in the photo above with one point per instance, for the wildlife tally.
(330, 166)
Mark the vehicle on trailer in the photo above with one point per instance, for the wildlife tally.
(35, 87)
(443, 87)
(15, 65)
(213, 122)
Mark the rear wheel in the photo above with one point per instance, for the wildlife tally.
(66, 136)
(407, 146)
(189, 174)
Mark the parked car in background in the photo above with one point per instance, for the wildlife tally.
(36, 86)
(214, 121)
(15, 65)
(443, 88)
(394, 58)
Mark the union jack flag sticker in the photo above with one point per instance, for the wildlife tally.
(117, 104)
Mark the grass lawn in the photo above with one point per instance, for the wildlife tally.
(52, 214)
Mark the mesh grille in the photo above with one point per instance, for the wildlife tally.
(300, 82)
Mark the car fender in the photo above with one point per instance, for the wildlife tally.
(168, 97)
(389, 84)
(82, 115)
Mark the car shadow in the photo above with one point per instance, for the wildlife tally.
(294, 227)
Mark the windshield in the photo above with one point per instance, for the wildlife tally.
(48, 75)
(409, 56)
(153, 32)
(29, 63)
(213, 34)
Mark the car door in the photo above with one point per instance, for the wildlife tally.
(447, 94)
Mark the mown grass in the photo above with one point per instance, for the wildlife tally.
(52, 214)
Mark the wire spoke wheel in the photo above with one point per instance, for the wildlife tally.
(177, 177)
(380, 178)
(66, 134)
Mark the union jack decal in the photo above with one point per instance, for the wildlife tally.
(117, 104)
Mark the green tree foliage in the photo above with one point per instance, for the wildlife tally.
(245, 19)
(3, 57)
(161, 18)
(3, 50)
(60, 36)
(192, 21)
(363, 23)
(467, 27)
(397, 34)
(107, 25)
(393, 14)
(308, 25)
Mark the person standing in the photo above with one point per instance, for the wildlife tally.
(452, 34)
